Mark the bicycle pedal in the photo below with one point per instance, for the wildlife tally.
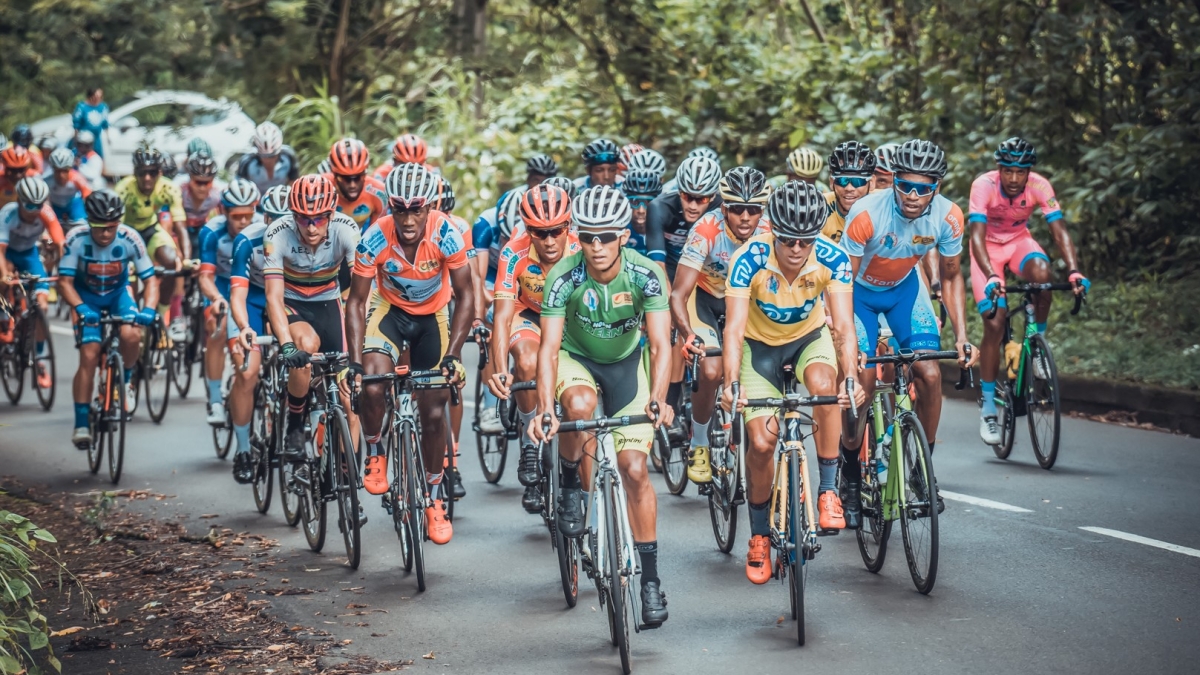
(649, 626)
(704, 489)
(828, 533)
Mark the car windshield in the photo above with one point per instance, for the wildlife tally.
(208, 115)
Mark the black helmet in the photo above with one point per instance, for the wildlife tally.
(22, 135)
(169, 169)
(104, 206)
(852, 159)
(543, 165)
(1016, 151)
(601, 151)
(642, 183)
(200, 165)
(798, 209)
(147, 158)
(744, 185)
(921, 157)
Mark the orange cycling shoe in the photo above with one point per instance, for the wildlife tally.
(830, 506)
(375, 475)
(758, 560)
(440, 529)
(43, 376)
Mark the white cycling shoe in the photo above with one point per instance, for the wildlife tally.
(989, 429)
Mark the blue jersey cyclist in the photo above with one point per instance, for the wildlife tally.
(671, 215)
(273, 163)
(93, 278)
(600, 158)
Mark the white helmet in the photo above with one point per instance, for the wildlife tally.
(649, 160)
(698, 176)
(885, 155)
(32, 190)
(268, 139)
(601, 208)
(409, 181)
(86, 137)
(508, 216)
(240, 192)
(62, 158)
(325, 166)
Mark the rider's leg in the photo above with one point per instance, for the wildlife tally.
(643, 507)
(524, 355)
(214, 355)
(164, 256)
(299, 379)
(578, 403)
(927, 376)
(85, 376)
(241, 398)
(1036, 269)
(431, 404)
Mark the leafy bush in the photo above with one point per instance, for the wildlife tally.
(24, 631)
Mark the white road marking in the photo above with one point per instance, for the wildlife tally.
(61, 330)
(986, 503)
(1143, 540)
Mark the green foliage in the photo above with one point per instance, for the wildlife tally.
(24, 630)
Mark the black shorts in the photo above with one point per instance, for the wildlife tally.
(390, 329)
(326, 319)
(619, 382)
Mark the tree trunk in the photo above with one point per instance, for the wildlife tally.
(337, 54)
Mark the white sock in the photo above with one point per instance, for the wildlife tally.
(700, 433)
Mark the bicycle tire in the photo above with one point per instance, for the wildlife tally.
(1006, 417)
(414, 482)
(619, 583)
(12, 371)
(726, 477)
(675, 461)
(313, 521)
(116, 449)
(291, 502)
(873, 536)
(181, 370)
(492, 448)
(567, 548)
(396, 496)
(919, 482)
(1042, 396)
(346, 485)
(98, 421)
(448, 474)
(223, 438)
(262, 431)
(45, 396)
(797, 523)
(154, 366)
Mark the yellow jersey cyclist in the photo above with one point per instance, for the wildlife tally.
(1001, 203)
(774, 308)
(698, 293)
(524, 262)
(595, 303)
(851, 176)
(154, 207)
(407, 267)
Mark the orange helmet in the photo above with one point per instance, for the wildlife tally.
(15, 157)
(545, 206)
(312, 195)
(349, 157)
(410, 148)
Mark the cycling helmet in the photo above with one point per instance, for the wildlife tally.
(921, 157)
(601, 208)
(444, 201)
(32, 190)
(239, 192)
(885, 155)
(268, 139)
(200, 165)
(648, 160)
(545, 206)
(47, 144)
(564, 183)
(508, 214)
(15, 157)
(409, 181)
(325, 167)
(312, 195)
(22, 135)
(698, 176)
(349, 157)
(706, 152)
(1016, 151)
(628, 151)
(798, 209)
(104, 206)
(744, 185)
(805, 162)
(542, 165)
(147, 158)
(199, 145)
(600, 151)
(169, 168)
(410, 148)
(852, 158)
(275, 202)
(85, 137)
(62, 158)
(642, 183)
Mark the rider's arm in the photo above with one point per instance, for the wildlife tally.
(150, 292)
(685, 283)
(54, 228)
(356, 314)
(464, 313)
(66, 288)
(737, 310)
(658, 333)
(239, 281)
(275, 310)
(979, 252)
(841, 309)
(179, 222)
(1062, 238)
(143, 266)
(658, 214)
(547, 363)
(208, 265)
(953, 285)
(504, 309)
(4, 271)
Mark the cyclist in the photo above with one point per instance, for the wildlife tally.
(169, 168)
(538, 168)
(884, 173)
(627, 152)
(851, 171)
(524, 262)
(200, 192)
(89, 162)
(701, 151)
(640, 187)
(93, 278)
(698, 292)
(409, 320)
(600, 158)
(649, 160)
(804, 164)
(68, 188)
(273, 163)
(1001, 203)
(198, 146)
(360, 196)
(594, 303)
(17, 165)
(154, 207)
(670, 216)
(777, 286)
(22, 226)
(22, 135)
(408, 148)
(888, 233)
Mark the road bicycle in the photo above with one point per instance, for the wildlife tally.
(492, 446)
(21, 355)
(190, 351)
(107, 416)
(267, 422)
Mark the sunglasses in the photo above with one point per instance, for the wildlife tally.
(101, 226)
(604, 158)
(851, 181)
(202, 183)
(587, 238)
(146, 172)
(908, 187)
(793, 242)
(547, 233)
(400, 204)
(695, 199)
(29, 206)
(744, 209)
(639, 202)
(313, 221)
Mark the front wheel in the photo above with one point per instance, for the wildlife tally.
(1042, 401)
(116, 421)
(798, 527)
(12, 371)
(313, 500)
(414, 498)
(566, 547)
(341, 448)
(726, 482)
(918, 507)
(43, 361)
(875, 531)
(155, 370)
(675, 461)
(618, 582)
(1006, 417)
(262, 432)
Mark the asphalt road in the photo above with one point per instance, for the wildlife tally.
(1022, 586)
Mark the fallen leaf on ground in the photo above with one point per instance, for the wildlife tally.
(210, 515)
(428, 656)
(75, 629)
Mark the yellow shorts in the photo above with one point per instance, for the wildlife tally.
(156, 237)
(762, 365)
(391, 329)
(703, 311)
(623, 388)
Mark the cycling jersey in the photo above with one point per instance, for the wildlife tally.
(199, 211)
(421, 286)
(73, 213)
(248, 259)
(781, 311)
(8, 189)
(100, 272)
(163, 206)
(308, 274)
(91, 167)
(636, 241)
(486, 237)
(666, 230)
(890, 245)
(523, 277)
(464, 228)
(287, 170)
(216, 251)
(63, 196)
(835, 222)
(710, 247)
(603, 321)
(93, 118)
(371, 205)
(1008, 217)
(19, 235)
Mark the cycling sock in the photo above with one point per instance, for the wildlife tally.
(851, 468)
(242, 433)
(570, 475)
(373, 445)
(1040, 327)
(176, 306)
(700, 433)
(988, 391)
(828, 469)
(435, 484)
(214, 391)
(526, 417)
(41, 348)
(295, 411)
(81, 414)
(128, 375)
(648, 556)
(759, 523)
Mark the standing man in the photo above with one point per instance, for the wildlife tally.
(91, 115)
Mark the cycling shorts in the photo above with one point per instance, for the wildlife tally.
(1013, 255)
(706, 314)
(156, 237)
(256, 313)
(119, 304)
(908, 311)
(29, 262)
(325, 317)
(761, 375)
(623, 388)
(390, 329)
(526, 325)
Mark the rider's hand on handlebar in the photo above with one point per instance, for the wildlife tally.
(694, 345)
(967, 354)
(662, 413)
(499, 384)
(292, 356)
(860, 396)
(452, 369)
(542, 428)
(727, 400)
(247, 337)
(1082, 284)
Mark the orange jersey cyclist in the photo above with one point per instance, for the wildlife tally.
(407, 267)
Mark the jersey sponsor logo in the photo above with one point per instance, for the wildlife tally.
(843, 272)
(512, 263)
(605, 330)
(889, 241)
(747, 265)
(773, 284)
(591, 300)
(921, 240)
(428, 266)
(1052, 203)
(624, 298)
(786, 315)
(361, 210)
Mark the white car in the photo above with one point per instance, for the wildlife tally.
(167, 120)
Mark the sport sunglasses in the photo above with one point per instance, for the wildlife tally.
(605, 158)
(401, 204)
(587, 238)
(743, 209)
(546, 233)
(313, 221)
(793, 242)
(851, 181)
(908, 187)
(30, 206)
(695, 199)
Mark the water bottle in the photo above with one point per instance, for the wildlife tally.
(881, 454)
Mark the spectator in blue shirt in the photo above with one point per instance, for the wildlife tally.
(92, 115)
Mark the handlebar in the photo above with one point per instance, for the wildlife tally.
(693, 365)
(907, 356)
(791, 401)
(850, 385)
(502, 407)
(403, 373)
(481, 335)
(1034, 288)
(603, 423)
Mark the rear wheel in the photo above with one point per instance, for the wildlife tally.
(261, 443)
(1042, 402)
(43, 361)
(414, 494)
(675, 459)
(493, 448)
(181, 369)
(918, 512)
(12, 371)
(155, 369)
(726, 478)
(618, 582)
(342, 448)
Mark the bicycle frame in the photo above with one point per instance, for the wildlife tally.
(791, 444)
(604, 471)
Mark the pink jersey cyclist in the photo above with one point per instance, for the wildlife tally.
(1009, 243)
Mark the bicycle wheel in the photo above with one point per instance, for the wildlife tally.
(12, 371)
(116, 422)
(346, 484)
(223, 438)
(493, 448)
(566, 547)
(618, 581)
(675, 459)
(1006, 417)
(98, 416)
(414, 488)
(397, 497)
(181, 369)
(448, 475)
(290, 491)
(43, 361)
(261, 444)
(918, 512)
(155, 370)
(873, 535)
(313, 501)
(1042, 405)
(726, 477)
(797, 536)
